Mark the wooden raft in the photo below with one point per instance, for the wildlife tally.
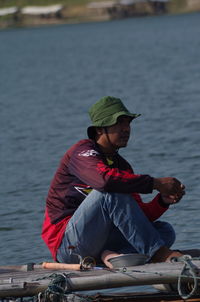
(29, 280)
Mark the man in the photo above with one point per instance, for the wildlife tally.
(93, 206)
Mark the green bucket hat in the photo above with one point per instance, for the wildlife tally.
(105, 113)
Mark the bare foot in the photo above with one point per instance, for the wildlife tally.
(106, 255)
(164, 254)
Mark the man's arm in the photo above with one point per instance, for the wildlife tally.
(87, 164)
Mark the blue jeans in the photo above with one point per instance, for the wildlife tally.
(112, 221)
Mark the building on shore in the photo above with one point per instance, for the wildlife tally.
(40, 11)
(128, 8)
(8, 11)
(31, 15)
(12, 12)
(43, 11)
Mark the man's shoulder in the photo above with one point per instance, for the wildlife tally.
(85, 142)
(83, 145)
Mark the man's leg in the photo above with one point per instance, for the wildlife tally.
(117, 245)
(117, 242)
(166, 232)
(89, 227)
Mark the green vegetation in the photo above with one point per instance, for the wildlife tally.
(175, 5)
(22, 3)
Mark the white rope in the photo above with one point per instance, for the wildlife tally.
(192, 271)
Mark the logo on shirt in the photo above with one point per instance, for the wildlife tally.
(110, 162)
(83, 190)
(88, 153)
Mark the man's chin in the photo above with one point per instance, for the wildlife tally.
(123, 145)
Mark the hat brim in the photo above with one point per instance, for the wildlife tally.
(91, 132)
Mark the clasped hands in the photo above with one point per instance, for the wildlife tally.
(171, 189)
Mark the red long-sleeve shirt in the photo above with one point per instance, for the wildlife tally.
(83, 168)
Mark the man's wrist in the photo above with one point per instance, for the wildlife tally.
(162, 203)
(155, 184)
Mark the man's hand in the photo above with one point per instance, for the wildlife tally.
(171, 199)
(169, 186)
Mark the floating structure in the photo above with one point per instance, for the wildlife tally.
(8, 11)
(44, 11)
(63, 284)
(102, 4)
(40, 11)
(128, 8)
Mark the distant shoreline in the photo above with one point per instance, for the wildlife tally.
(82, 14)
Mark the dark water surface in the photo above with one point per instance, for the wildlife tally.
(48, 79)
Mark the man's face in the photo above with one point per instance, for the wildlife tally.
(119, 134)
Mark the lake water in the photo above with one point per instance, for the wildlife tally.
(48, 79)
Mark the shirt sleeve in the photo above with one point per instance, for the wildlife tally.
(88, 165)
(153, 209)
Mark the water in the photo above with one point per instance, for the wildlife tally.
(50, 76)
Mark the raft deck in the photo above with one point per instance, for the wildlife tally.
(31, 280)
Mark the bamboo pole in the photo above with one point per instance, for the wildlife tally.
(45, 265)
